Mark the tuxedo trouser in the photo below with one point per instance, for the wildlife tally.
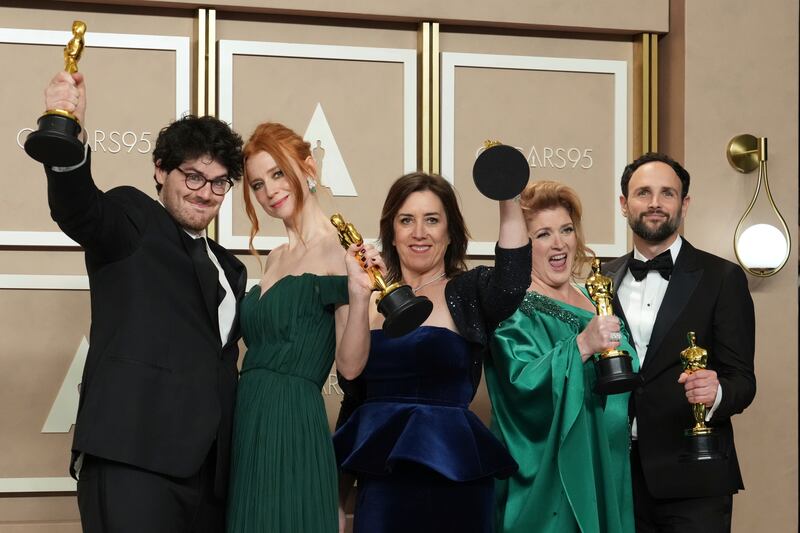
(119, 498)
(711, 514)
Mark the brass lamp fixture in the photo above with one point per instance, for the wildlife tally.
(761, 249)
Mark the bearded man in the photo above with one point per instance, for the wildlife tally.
(666, 288)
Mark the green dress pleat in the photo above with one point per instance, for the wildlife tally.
(283, 469)
(572, 445)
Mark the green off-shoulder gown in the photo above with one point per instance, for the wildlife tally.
(283, 471)
(572, 445)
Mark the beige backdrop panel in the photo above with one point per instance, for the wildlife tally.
(535, 110)
(125, 110)
(43, 330)
(612, 16)
(561, 121)
(42, 262)
(362, 101)
(741, 72)
(363, 104)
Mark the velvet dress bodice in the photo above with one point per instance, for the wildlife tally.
(417, 392)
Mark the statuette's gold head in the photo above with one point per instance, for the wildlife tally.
(694, 357)
(348, 234)
(488, 143)
(600, 289)
(74, 48)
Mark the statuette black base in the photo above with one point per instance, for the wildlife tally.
(615, 375)
(56, 142)
(501, 172)
(701, 447)
(404, 311)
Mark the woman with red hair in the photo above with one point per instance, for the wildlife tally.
(295, 323)
(571, 444)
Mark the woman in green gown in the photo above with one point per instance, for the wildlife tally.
(571, 445)
(294, 323)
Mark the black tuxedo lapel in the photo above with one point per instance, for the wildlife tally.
(207, 274)
(233, 268)
(616, 270)
(685, 277)
(238, 291)
(237, 278)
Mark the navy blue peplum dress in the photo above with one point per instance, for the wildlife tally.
(424, 462)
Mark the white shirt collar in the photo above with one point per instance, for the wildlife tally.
(674, 248)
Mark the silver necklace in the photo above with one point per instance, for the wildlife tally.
(437, 278)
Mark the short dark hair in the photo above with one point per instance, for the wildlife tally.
(456, 254)
(191, 137)
(650, 157)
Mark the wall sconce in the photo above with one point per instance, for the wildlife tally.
(761, 249)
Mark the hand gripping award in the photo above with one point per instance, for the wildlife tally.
(402, 309)
(702, 443)
(56, 142)
(614, 367)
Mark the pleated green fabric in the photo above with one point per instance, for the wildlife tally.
(283, 470)
(572, 445)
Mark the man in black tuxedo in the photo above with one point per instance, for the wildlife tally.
(660, 303)
(152, 437)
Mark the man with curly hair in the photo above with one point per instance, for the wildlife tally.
(152, 435)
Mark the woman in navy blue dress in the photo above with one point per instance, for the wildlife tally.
(423, 461)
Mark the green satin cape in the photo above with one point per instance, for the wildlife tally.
(572, 445)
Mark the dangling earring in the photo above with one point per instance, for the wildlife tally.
(312, 185)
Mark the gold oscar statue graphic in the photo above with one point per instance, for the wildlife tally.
(614, 367)
(500, 172)
(702, 443)
(55, 142)
(403, 310)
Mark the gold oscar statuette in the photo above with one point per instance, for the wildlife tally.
(403, 310)
(55, 142)
(701, 442)
(614, 367)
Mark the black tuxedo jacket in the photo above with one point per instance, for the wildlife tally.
(708, 295)
(158, 387)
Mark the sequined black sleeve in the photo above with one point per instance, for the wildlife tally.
(481, 298)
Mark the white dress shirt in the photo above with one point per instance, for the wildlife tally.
(227, 307)
(640, 302)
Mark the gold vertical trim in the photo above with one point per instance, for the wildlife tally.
(200, 82)
(212, 62)
(209, 79)
(645, 92)
(654, 92)
(424, 143)
(435, 101)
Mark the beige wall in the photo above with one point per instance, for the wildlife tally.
(608, 16)
(735, 63)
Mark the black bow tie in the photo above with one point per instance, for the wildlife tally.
(662, 263)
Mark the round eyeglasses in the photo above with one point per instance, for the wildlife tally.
(195, 182)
